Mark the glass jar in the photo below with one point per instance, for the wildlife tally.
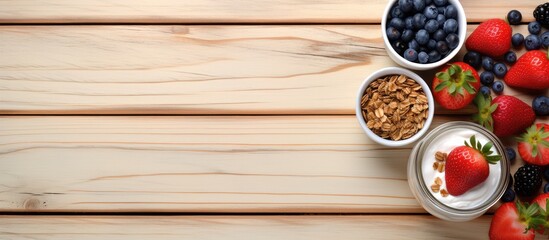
(422, 175)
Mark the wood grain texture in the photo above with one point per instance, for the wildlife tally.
(199, 164)
(237, 11)
(309, 69)
(241, 227)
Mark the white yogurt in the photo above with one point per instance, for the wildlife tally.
(445, 143)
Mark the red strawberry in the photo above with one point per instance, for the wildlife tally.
(541, 200)
(533, 146)
(505, 115)
(492, 38)
(515, 221)
(530, 71)
(456, 85)
(467, 166)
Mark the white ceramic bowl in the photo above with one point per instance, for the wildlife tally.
(392, 71)
(462, 30)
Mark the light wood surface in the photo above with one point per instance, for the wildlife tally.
(190, 69)
(240, 227)
(200, 164)
(236, 11)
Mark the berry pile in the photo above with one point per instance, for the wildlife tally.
(423, 31)
(482, 57)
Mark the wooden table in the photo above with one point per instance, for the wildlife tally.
(203, 119)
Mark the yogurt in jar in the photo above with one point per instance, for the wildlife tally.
(446, 143)
(421, 175)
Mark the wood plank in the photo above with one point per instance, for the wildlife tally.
(239, 227)
(199, 164)
(310, 69)
(238, 11)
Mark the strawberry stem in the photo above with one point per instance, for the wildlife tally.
(484, 150)
(485, 110)
(456, 80)
(535, 137)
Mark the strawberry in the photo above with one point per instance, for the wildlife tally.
(492, 38)
(541, 200)
(530, 71)
(467, 166)
(533, 145)
(505, 115)
(515, 221)
(456, 85)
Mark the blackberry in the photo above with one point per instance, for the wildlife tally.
(527, 180)
(542, 14)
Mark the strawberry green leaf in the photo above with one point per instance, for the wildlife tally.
(484, 150)
(485, 110)
(452, 88)
(469, 89)
(441, 85)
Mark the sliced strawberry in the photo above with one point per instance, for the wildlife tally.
(505, 115)
(533, 145)
(467, 166)
(456, 85)
(515, 221)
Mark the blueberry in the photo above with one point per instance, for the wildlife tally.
(546, 174)
(485, 90)
(517, 40)
(441, 19)
(545, 39)
(440, 3)
(439, 35)
(450, 26)
(422, 37)
(428, 2)
(399, 47)
(473, 58)
(534, 27)
(434, 56)
(396, 12)
(410, 55)
(407, 35)
(406, 5)
(453, 40)
(451, 12)
(441, 10)
(514, 17)
(488, 63)
(432, 44)
(540, 104)
(442, 47)
(511, 154)
(409, 23)
(431, 26)
(419, 21)
(413, 44)
(532, 42)
(423, 49)
(423, 57)
(393, 33)
(497, 86)
(508, 196)
(431, 12)
(500, 70)
(546, 188)
(419, 5)
(510, 57)
(487, 78)
(397, 23)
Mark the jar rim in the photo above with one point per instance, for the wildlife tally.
(428, 200)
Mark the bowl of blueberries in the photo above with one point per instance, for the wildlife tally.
(423, 34)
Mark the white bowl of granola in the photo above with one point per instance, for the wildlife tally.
(394, 106)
